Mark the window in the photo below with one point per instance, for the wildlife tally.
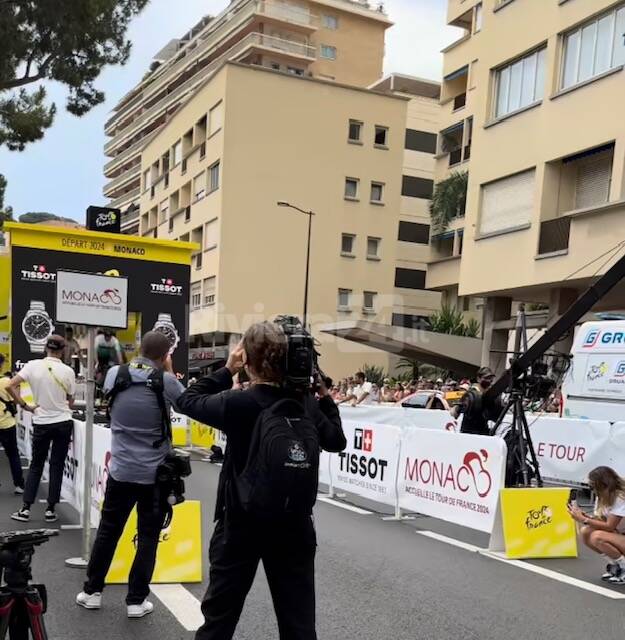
(295, 71)
(211, 234)
(507, 203)
(347, 243)
(417, 187)
(373, 248)
(328, 52)
(588, 177)
(478, 18)
(147, 179)
(381, 136)
(344, 299)
(215, 118)
(410, 278)
(420, 141)
(355, 131)
(414, 232)
(196, 295)
(410, 322)
(177, 153)
(351, 188)
(209, 291)
(594, 48)
(330, 22)
(199, 186)
(275, 66)
(368, 300)
(213, 178)
(520, 83)
(164, 210)
(377, 192)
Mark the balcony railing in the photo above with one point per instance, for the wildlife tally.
(126, 154)
(278, 45)
(460, 101)
(288, 14)
(127, 176)
(455, 156)
(554, 235)
(124, 199)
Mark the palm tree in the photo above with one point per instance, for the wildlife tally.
(450, 320)
(409, 368)
(448, 200)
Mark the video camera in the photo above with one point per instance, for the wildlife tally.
(302, 372)
(170, 474)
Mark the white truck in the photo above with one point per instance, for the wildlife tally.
(594, 386)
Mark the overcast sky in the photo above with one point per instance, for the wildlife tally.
(62, 173)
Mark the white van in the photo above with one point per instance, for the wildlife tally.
(594, 387)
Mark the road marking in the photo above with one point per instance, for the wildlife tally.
(184, 606)
(526, 566)
(343, 505)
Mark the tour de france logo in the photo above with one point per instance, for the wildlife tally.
(537, 518)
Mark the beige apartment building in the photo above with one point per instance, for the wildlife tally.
(250, 137)
(339, 40)
(531, 108)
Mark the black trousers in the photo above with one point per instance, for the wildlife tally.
(8, 439)
(119, 500)
(287, 550)
(59, 435)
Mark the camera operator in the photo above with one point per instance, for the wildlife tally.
(8, 432)
(136, 428)
(477, 409)
(286, 544)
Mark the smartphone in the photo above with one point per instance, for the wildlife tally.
(573, 497)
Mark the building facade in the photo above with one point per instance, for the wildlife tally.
(249, 138)
(530, 101)
(338, 40)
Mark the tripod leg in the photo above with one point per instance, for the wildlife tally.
(18, 621)
(532, 451)
(34, 609)
(6, 609)
(518, 424)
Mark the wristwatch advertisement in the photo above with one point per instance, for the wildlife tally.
(165, 326)
(37, 326)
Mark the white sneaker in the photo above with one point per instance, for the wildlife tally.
(93, 601)
(140, 610)
(23, 515)
(18, 491)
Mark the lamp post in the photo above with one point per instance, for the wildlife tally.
(310, 214)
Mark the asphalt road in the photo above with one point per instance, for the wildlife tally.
(375, 580)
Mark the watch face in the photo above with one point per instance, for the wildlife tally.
(169, 333)
(37, 326)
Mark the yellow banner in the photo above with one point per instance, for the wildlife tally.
(97, 243)
(536, 523)
(5, 309)
(179, 556)
(202, 435)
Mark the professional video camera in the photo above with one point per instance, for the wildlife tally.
(22, 604)
(302, 359)
(169, 479)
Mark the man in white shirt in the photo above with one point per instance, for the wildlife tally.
(361, 393)
(53, 385)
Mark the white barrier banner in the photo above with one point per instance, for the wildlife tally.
(324, 468)
(400, 417)
(454, 477)
(73, 471)
(368, 466)
(568, 449)
(101, 463)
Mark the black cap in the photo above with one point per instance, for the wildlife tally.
(55, 343)
(485, 372)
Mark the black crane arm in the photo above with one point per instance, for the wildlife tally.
(567, 321)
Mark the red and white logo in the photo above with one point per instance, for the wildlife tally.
(363, 440)
(166, 286)
(38, 272)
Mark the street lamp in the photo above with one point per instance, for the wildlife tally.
(310, 214)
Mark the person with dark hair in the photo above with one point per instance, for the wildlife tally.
(476, 409)
(285, 543)
(53, 385)
(8, 432)
(361, 393)
(604, 532)
(137, 450)
(71, 355)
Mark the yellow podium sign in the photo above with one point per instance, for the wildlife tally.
(202, 435)
(536, 523)
(179, 556)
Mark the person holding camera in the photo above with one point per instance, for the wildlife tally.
(476, 408)
(267, 485)
(8, 432)
(140, 394)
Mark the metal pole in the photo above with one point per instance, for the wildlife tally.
(310, 215)
(81, 563)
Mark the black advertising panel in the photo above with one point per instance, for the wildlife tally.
(157, 290)
(104, 219)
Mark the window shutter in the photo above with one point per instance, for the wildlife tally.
(210, 234)
(593, 180)
(508, 203)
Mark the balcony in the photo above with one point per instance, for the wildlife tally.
(443, 273)
(457, 11)
(125, 199)
(293, 15)
(252, 42)
(127, 154)
(127, 176)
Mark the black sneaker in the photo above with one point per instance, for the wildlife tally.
(50, 515)
(23, 515)
(618, 577)
(611, 570)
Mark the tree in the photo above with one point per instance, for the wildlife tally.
(5, 213)
(409, 368)
(374, 374)
(448, 200)
(68, 41)
(35, 217)
(450, 320)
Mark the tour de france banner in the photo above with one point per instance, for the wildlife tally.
(158, 276)
(451, 476)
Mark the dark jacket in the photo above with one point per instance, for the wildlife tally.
(212, 401)
(478, 409)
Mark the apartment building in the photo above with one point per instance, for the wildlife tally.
(338, 40)
(531, 101)
(413, 302)
(249, 138)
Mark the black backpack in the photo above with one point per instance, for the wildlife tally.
(282, 471)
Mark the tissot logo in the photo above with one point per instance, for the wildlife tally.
(366, 466)
(167, 287)
(363, 440)
(38, 273)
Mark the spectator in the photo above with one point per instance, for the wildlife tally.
(387, 393)
(604, 531)
(71, 354)
(361, 392)
(375, 396)
(398, 395)
(8, 433)
(108, 353)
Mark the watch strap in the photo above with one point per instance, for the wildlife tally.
(37, 305)
(164, 317)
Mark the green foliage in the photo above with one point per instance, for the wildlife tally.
(68, 41)
(6, 213)
(34, 217)
(374, 374)
(409, 369)
(451, 321)
(448, 200)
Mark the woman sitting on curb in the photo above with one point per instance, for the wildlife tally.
(605, 531)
